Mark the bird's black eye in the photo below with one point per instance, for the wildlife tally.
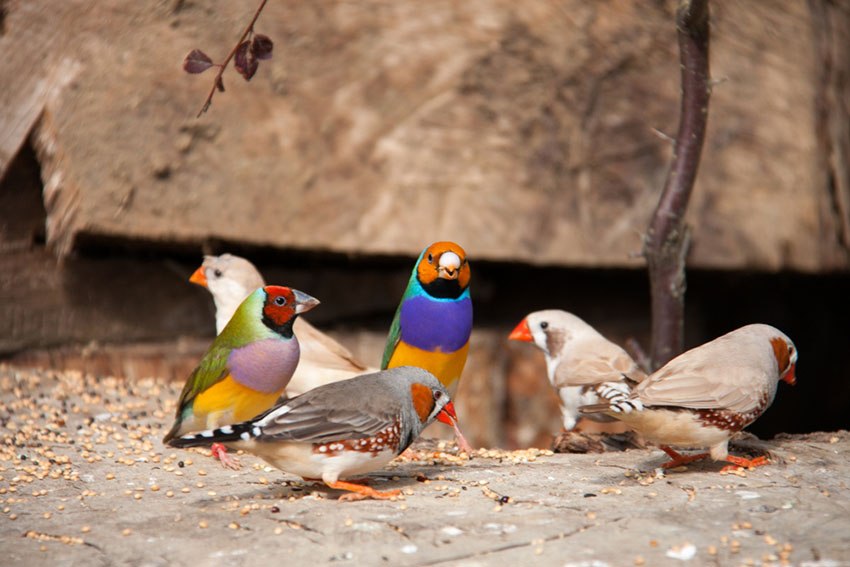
(280, 300)
(544, 325)
(430, 258)
(437, 395)
(217, 273)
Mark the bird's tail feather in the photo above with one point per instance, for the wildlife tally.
(237, 432)
(595, 408)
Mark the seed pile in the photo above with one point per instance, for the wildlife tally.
(83, 470)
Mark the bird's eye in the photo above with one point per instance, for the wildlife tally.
(217, 273)
(437, 395)
(280, 300)
(544, 325)
(430, 258)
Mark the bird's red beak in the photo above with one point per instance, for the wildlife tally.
(522, 332)
(448, 415)
(199, 277)
(790, 376)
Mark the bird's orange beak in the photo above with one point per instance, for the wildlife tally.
(790, 376)
(522, 332)
(448, 415)
(199, 277)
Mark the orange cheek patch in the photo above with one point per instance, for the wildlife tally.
(463, 277)
(423, 400)
(780, 351)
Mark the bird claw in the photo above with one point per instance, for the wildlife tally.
(678, 459)
(219, 451)
(745, 463)
(361, 492)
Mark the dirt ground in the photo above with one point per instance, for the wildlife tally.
(84, 480)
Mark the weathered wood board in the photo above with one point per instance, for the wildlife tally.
(525, 131)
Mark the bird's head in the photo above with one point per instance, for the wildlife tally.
(281, 305)
(443, 270)
(786, 358)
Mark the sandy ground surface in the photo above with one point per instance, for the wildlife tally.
(84, 480)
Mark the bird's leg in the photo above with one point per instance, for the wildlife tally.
(742, 462)
(219, 451)
(679, 459)
(361, 491)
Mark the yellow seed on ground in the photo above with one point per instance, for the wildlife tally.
(155, 488)
(126, 531)
(137, 496)
(203, 524)
(278, 530)
(184, 490)
(169, 494)
(109, 476)
(85, 529)
(47, 515)
(233, 526)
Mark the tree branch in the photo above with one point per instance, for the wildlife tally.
(217, 81)
(666, 242)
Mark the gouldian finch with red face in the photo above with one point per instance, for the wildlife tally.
(247, 367)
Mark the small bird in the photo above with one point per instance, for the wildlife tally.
(230, 279)
(580, 362)
(246, 368)
(433, 322)
(704, 396)
(343, 429)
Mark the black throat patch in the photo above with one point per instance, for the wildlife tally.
(443, 288)
(284, 330)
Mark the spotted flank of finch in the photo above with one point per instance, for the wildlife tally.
(580, 362)
(247, 367)
(230, 279)
(706, 395)
(433, 322)
(341, 430)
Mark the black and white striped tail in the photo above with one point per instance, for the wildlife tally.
(618, 404)
(244, 431)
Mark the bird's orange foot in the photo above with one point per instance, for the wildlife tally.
(678, 459)
(219, 451)
(746, 463)
(361, 491)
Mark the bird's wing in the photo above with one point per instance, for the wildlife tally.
(303, 421)
(700, 387)
(394, 336)
(211, 370)
(596, 363)
(318, 347)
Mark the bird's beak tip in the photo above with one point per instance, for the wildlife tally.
(199, 277)
(521, 332)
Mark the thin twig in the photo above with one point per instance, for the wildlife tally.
(667, 238)
(217, 80)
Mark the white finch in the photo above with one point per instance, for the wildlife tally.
(581, 363)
